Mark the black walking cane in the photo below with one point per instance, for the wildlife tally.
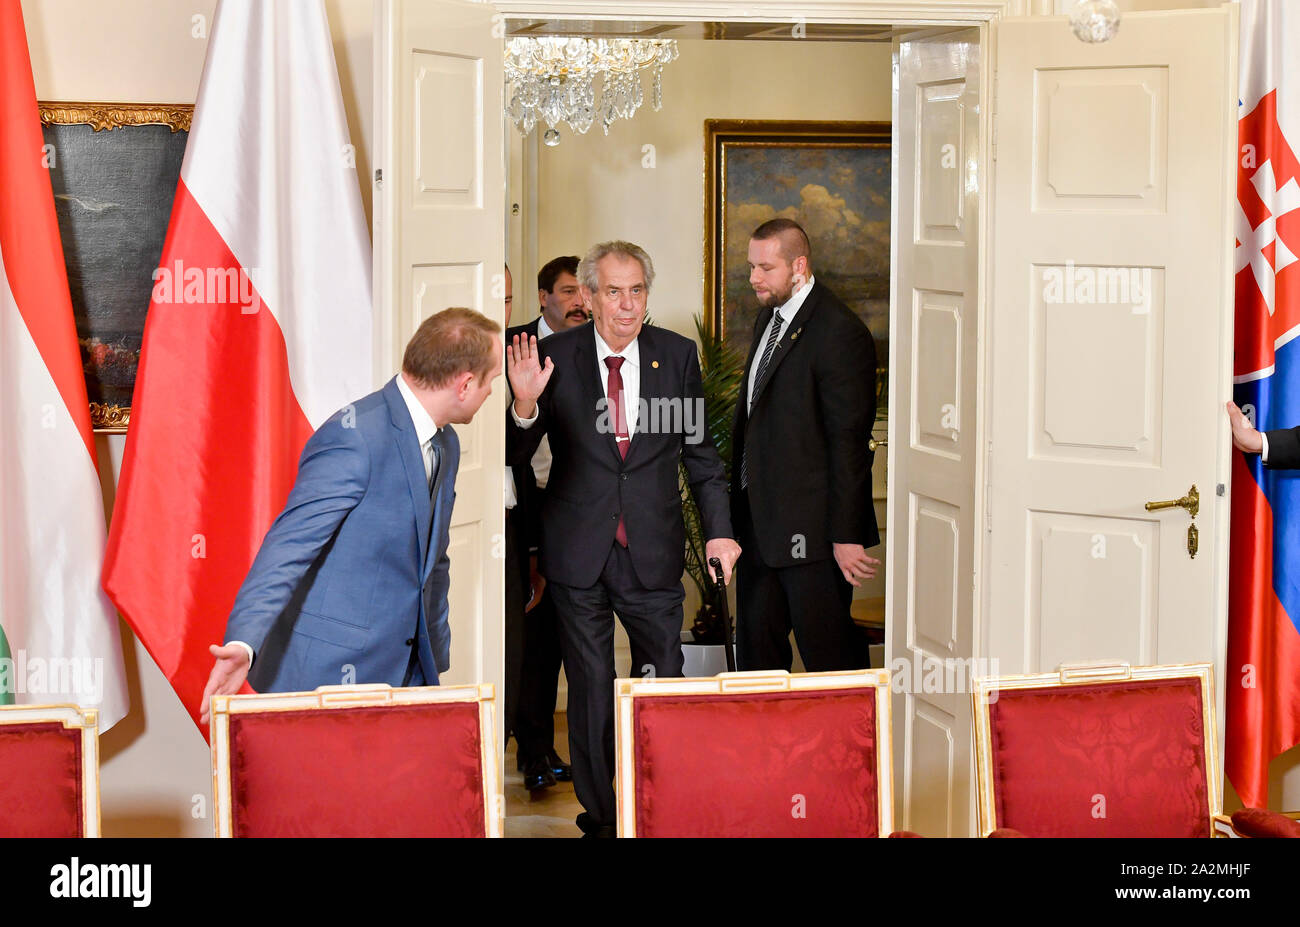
(727, 631)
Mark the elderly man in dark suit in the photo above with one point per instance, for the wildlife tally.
(622, 404)
(801, 485)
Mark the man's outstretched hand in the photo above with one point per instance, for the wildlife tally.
(227, 677)
(1244, 435)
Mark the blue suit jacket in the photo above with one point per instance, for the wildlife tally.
(353, 573)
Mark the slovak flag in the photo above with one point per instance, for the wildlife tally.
(259, 329)
(1263, 665)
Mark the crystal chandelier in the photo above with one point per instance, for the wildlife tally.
(553, 79)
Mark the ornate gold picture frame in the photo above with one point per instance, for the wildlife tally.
(114, 168)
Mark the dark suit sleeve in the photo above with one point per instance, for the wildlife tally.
(845, 387)
(1283, 449)
(332, 478)
(704, 468)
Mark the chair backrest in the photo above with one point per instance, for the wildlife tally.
(755, 754)
(49, 771)
(1098, 751)
(356, 761)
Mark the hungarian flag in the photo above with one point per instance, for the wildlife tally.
(1263, 668)
(59, 639)
(258, 330)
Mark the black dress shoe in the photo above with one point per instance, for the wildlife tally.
(538, 775)
(563, 771)
(587, 824)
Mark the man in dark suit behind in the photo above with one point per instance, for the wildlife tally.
(533, 638)
(801, 478)
(622, 403)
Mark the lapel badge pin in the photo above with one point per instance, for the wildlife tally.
(795, 334)
(654, 364)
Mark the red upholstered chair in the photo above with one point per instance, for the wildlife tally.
(49, 771)
(755, 754)
(1257, 822)
(1098, 751)
(357, 761)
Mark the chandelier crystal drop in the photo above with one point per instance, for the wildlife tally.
(553, 79)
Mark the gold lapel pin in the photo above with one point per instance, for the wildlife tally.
(654, 364)
(795, 335)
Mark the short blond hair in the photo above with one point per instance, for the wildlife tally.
(448, 344)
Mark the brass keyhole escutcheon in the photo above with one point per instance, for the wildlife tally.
(1192, 503)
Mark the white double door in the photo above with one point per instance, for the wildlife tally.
(1046, 391)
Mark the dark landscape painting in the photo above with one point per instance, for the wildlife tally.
(836, 188)
(113, 190)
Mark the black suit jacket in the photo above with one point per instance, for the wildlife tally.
(528, 495)
(591, 485)
(1283, 449)
(809, 462)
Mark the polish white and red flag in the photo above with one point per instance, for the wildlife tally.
(258, 330)
(59, 638)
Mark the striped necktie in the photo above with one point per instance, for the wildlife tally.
(759, 376)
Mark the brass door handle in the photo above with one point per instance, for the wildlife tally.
(873, 445)
(1191, 502)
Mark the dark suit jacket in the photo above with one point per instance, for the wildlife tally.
(528, 495)
(1283, 449)
(591, 485)
(354, 571)
(809, 463)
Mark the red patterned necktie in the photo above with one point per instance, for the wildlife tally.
(614, 389)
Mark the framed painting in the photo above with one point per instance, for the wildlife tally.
(833, 178)
(114, 168)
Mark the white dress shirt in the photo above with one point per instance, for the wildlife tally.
(1263, 452)
(792, 306)
(425, 428)
(631, 371)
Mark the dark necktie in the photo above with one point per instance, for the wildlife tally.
(759, 376)
(614, 389)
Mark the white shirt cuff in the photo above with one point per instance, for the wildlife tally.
(524, 422)
(247, 648)
(1263, 454)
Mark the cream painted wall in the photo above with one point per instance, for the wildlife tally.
(156, 776)
(594, 187)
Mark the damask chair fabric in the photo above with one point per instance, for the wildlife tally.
(49, 785)
(1127, 757)
(803, 755)
(420, 768)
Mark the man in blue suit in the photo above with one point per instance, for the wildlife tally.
(350, 584)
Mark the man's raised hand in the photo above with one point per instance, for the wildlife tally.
(528, 378)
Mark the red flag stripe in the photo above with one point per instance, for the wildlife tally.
(29, 228)
(238, 423)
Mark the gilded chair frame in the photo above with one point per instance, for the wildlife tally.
(627, 691)
(986, 690)
(72, 717)
(331, 698)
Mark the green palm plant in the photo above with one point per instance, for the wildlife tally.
(723, 373)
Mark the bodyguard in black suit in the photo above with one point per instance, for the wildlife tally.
(801, 477)
(532, 630)
(622, 404)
